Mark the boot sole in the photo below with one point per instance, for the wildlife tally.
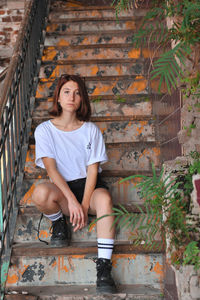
(60, 243)
(106, 290)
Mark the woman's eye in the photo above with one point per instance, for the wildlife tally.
(77, 93)
(66, 92)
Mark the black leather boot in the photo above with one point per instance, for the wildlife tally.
(61, 233)
(105, 282)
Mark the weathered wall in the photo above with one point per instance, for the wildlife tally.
(11, 15)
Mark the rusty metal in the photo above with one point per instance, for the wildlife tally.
(3, 74)
(15, 119)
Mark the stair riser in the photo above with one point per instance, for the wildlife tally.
(137, 85)
(123, 193)
(122, 131)
(100, 108)
(90, 14)
(52, 71)
(91, 25)
(54, 54)
(27, 226)
(93, 39)
(81, 269)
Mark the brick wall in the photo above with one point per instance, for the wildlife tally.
(11, 15)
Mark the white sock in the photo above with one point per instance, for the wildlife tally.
(54, 217)
(105, 248)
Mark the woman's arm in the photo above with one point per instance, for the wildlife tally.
(91, 181)
(75, 209)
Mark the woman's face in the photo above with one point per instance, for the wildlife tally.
(69, 97)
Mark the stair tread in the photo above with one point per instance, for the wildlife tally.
(96, 19)
(32, 210)
(79, 248)
(134, 291)
(72, 33)
(113, 46)
(105, 173)
(130, 98)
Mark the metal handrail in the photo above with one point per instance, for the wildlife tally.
(16, 105)
(3, 75)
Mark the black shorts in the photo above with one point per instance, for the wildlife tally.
(77, 186)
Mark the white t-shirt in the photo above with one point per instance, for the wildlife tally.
(73, 150)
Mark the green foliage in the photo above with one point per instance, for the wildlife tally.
(121, 5)
(164, 209)
(120, 99)
(163, 197)
(189, 128)
(98, 99)
(169, 67)
(191, 255)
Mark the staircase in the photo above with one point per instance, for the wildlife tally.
(87, 40)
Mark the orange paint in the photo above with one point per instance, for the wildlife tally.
(43, 234)
(30, 157)
(140, 129)
(63, 42)
(49, 54)
(41, 90)
(139, 77)
(156, 151)
(100, 90)
(54, 264)
(115, 258)
(146, 53)
(52, 27)
(158, 269)
(94, 70)
(79, 256)
(137, 86)
(127, 256)
(73, 4)
(85, 41)
(134, 53)
(130, 25)
(12, 279)
(119, 69)
(27, 199)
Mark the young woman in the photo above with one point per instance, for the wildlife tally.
(71, 149)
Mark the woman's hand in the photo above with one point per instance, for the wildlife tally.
(76, 213)
(85, 211)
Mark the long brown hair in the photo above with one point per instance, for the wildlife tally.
(84, 111)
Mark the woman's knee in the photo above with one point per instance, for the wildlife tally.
(103, 200)
(41, 194)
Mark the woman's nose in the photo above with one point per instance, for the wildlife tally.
(72, 97)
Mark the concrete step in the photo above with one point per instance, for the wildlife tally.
(28, 221)
(40, 265)
(94, 38)
(82, 292)
(130, 157)
(109, 106)
(102, 86)
(91, 13)
(99, 68)
(101, 25)
(93, 52)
